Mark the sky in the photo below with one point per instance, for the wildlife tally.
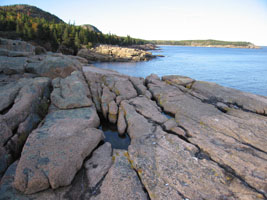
(230, 20)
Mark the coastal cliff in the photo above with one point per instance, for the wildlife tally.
(189, 139)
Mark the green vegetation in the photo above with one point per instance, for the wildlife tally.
(33, 24)
(200, 43)
(31, 11)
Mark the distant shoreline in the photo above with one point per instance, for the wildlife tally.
(207, 43)
(215, 46)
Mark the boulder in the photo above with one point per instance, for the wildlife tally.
(125, 89)
(139, 85)
(24, 106)
(28, 100)
(71, 92)
(151, 78)
(8, 94)
(98, 165)
(148, 109)
(16, 48)
(121, 182)
(112, 112)
(216, 93)
(107, 97)
(12, 65)
(55, 151)
(121, 123)
(137, 125)
(178, 80)
(53, 65)
(79, 188)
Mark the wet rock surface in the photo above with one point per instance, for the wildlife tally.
(188, 139)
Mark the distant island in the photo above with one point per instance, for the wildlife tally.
(206, 43)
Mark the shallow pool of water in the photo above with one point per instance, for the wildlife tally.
(112, 136)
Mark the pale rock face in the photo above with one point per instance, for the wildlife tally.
(98, 165)
(18, 57)
(23, 105)
(211, 146)
(106, 98)
(178, 80)
(121, 124)
(121, 182)
(15, 48)
(248, 101)
(164, 162)
(54, 65)
(105, 53)
(64, 89)
(125, 89)
(55, 152)
(229, 138)
(148, 109)
(112, 112)
(12, 65)
(169, 124)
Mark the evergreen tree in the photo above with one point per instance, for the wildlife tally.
(77, 41)
(18, 29)
(65, 37)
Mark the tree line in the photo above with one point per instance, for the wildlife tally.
(199, 42)
(71, 36)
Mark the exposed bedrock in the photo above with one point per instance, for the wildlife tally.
(107, 53)
(55, 151)
(121, 182)
(234, 138)
(23, 105)
(189, 139)
(84, 185)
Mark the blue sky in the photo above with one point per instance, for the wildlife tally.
(242, 20)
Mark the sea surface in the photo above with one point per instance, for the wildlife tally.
(243, 69)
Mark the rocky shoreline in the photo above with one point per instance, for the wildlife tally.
(189, 139)
(109, 53)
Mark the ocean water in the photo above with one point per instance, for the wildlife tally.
(243, 69)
